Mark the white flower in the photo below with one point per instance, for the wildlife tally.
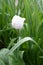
(17, 22)
(16, 3)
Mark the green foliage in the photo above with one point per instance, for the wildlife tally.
(10, 59)
(32, 10)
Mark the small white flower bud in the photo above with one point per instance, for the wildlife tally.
(17, 22)
(16, 3)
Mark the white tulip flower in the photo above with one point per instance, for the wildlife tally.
(17, 22)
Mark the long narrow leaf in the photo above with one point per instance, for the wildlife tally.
(21, 42)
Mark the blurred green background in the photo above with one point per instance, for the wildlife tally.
(32, 10)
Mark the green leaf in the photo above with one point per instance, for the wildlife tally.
(40, 31)
(4, 56)
(20, 42)
(1, 62)
(11, 59)
(15, 59)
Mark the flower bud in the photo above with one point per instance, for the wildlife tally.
(17, 22)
